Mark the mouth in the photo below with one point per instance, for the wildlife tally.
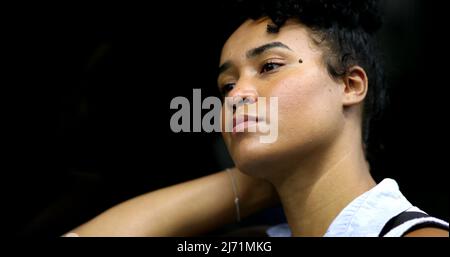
(242, 122)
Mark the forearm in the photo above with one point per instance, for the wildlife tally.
(185, 209)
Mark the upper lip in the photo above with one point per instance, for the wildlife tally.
(244, 118)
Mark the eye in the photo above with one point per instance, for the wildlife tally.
(225, 89)
(267, 67)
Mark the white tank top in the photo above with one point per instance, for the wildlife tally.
(367, 215)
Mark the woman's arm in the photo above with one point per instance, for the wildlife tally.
(190, 208)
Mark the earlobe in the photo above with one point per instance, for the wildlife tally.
(356, 86)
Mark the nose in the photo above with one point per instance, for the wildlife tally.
(244, 93)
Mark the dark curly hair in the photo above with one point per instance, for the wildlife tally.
(345, 29)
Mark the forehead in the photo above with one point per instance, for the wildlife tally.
(253, 33)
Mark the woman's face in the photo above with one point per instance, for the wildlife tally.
(289, 66)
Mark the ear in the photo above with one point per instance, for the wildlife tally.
(355, 86)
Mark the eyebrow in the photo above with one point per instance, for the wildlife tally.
(261, 49)
(252, 53)
(225, 66)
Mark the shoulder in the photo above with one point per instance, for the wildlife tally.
(428, 232)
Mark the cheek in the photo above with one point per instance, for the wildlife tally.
(306, 104)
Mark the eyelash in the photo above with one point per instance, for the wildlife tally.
(225, 88)
(267, 65)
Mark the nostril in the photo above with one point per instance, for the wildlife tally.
(248, 100)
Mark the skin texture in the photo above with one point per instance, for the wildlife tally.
(317, 165)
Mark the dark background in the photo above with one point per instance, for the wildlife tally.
(87, 96)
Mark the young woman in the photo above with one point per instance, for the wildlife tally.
(318, 59)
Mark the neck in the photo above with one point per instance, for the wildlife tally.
(314, 191)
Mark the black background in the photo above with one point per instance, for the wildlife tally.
(87, 93)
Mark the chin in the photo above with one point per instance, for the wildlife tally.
(252, 157)
(267, 161)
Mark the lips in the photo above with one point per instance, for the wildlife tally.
(241, 122)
